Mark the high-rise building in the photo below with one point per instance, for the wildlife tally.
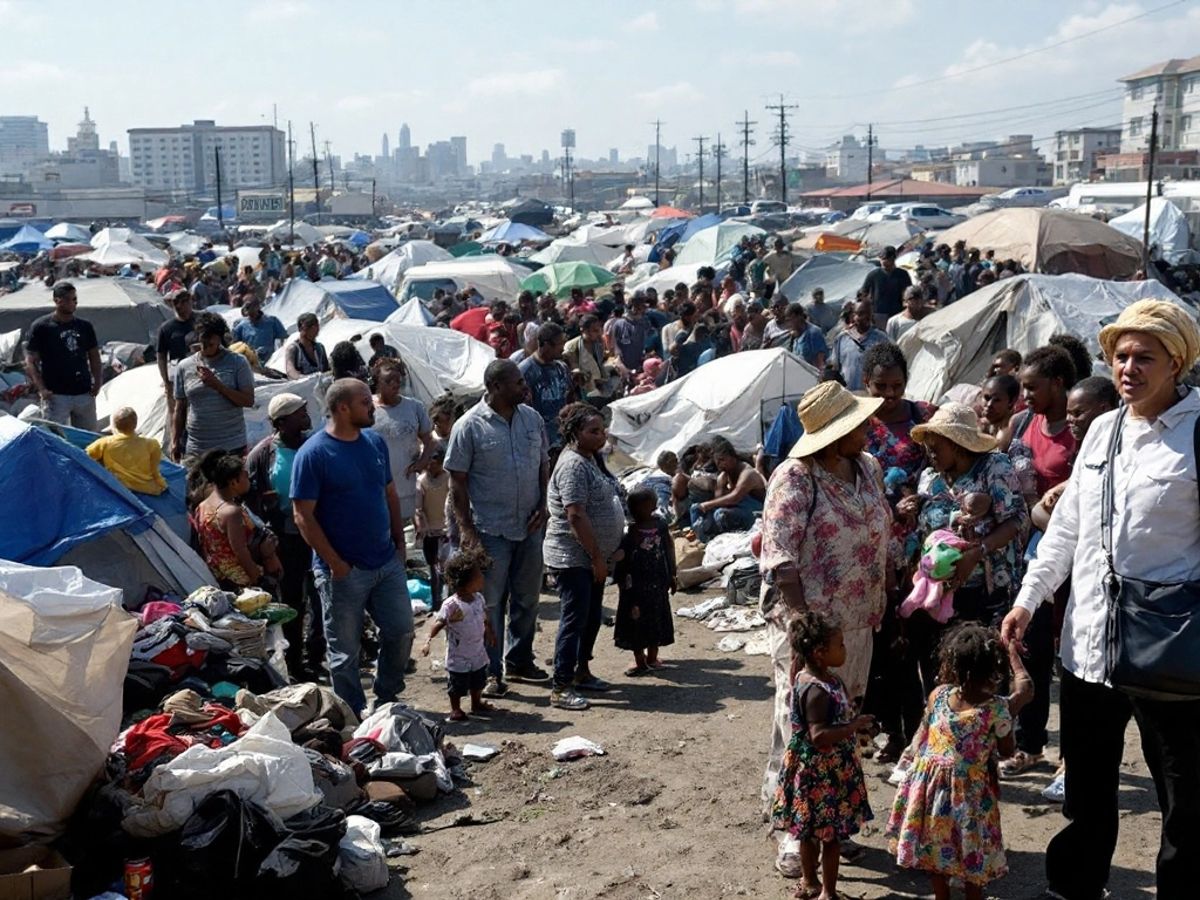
(459, 146)
(499, 158)
(85, 137)
(184, 158)
(383, 148)
(405, 137)
(441, 160)
(614, 157)
(23, 140)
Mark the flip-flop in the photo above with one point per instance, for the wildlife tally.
(485, 707)
(457, 717)
(636, 671)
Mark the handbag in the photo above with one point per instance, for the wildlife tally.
(1152, 639)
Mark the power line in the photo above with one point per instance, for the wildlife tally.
(781, 138)
(747, 143)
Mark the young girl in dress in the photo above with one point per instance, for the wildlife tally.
(946, 817)
(822, 798)
(645, 577)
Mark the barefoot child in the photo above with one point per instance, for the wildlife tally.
(645, 576)
(464, 619)
(946, 817)
(822, 798)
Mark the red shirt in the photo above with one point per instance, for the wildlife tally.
(473, 322)
(1052, 455)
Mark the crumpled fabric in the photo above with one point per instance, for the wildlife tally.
(413, 744)
(335, 780)
(213, 602)
(157, 609)
(304, 708)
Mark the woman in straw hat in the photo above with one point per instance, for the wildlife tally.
(1155, 537)
(825, 529)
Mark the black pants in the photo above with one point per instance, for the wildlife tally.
(1039, 661)
(296, 590)
(581, 600)
(431, 547)
(894, 692)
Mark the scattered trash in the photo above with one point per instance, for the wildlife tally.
(740, 619)
(397, 848)
(758, 645)
(729, 643)
(479, 752)
(899, 771)
(575, 748)
(364, 863)
(702, 611)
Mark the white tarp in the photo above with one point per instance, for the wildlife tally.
(839, 278)
(493, 276)
(571, 249)
(389, 270)
(715, 244)
(664, 279)
(64, 651)
(439, 360)
(120, 309)
(1169, 231)
(735, 397)
(412, 312)
(955, 345)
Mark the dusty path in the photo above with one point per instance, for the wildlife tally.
(672, 810)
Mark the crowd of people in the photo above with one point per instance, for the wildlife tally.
(514, 493)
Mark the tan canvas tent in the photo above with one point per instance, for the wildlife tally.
(1051, 241)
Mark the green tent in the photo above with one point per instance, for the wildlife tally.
(466, 248)
(559, 278)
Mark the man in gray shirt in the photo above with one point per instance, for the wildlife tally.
(499, 466)
(821, 313)
(212, 387)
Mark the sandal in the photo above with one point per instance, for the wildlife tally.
(484, 707)
(657, 664)
(458, 716)
(636, 671)
(1020, 763)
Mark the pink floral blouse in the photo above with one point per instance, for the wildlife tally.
(841, 554)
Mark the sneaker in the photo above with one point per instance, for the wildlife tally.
(530, 672)
(495, 688)
(1056, 790)
(565, 698)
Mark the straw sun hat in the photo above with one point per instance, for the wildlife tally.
(828, 413)
(957, 423)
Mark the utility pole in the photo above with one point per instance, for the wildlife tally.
(781, 138)
(657, 149)
(700, 159)
(870, 159)
(747, 142)
(570, 179)
(312, 133)
(291, 186)
(718, 152)
(332, 186)
(1149, 191)
(220, 211)
(372, 198)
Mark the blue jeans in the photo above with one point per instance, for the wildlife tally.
(513, 581)
(581, 608)
(383, 593)
(727, 518)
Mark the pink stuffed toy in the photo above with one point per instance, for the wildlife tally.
(941, 553)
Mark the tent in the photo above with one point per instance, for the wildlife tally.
(529, 211)
(304, 233)
(438, 360)
(698, 224)
(954, 345)
(509, 232)
(493, 276)
(1169, 231)
(559, 279)
(185, 244)
(329, 299)
(65, 642)
(120, 309)
(607, 235)
(839, 277)
(736, 396)
(670, 212)
(27, 240)
(81, 515)
(662, 279)
(69, 231)
(638, 203)
(125, 246)
(569, 249)
(390, 269)
(1051, 241)
(412, 312)
(715, 244)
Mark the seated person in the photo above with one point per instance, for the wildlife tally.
(694, 480)
(660, 480)
(737, 496)
(133, 459)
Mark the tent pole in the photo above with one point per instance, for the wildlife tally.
(1149, 191)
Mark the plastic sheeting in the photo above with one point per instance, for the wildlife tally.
(955, 344)
(714, 245)
(838, 277)
(1169, 233)
(353, 299)
(493, 276)
(735, 396)
(390, 269)
(120, 309)
(64, 650)
(412, 312)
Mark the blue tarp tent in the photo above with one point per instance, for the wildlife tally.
(508, 232)
(708, 220)
(27, 240)
(329, 299)
(359, 239)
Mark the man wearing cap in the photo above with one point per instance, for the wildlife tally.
(885, 286)
(260, 332)
(269, 466)
(826, 524)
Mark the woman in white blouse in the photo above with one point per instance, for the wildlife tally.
(1156, 537)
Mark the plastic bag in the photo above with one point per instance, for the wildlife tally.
(576, 747)
(418, 589)
(362, 855)
(226, 840)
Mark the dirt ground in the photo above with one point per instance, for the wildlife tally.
(672, 809)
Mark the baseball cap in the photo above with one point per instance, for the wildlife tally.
(284, 405)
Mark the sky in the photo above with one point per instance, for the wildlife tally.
(929, 72)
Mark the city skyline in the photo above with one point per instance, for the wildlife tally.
(607, 73)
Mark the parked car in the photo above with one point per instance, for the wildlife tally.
(868, 209)
(929, 217)
(1022, 196)
(767, 207)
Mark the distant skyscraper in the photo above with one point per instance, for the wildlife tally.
(613, 156)
(383, 147)
(459, 146)
(23, 140)
(405, 137)
(499, 157)
(545, 157)
(85, 138)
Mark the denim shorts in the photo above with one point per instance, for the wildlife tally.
(460, 684)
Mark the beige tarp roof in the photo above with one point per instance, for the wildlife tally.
(1052, 241)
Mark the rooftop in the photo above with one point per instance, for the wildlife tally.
(901, 188)
(1167, 67)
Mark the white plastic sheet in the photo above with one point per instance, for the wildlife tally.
(363, 858)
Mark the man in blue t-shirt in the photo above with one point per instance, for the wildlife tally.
(347, 509)
(549, 380)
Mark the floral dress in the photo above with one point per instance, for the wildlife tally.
(946, 817)
(893, 447)
(821, 794)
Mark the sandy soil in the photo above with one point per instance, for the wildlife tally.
(672, 809)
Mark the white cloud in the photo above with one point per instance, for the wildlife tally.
(679, 93)
(28, 72)
(536, 82)
(645, 22)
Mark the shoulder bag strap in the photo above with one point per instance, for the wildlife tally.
(1108, 490)
(1196, 452)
